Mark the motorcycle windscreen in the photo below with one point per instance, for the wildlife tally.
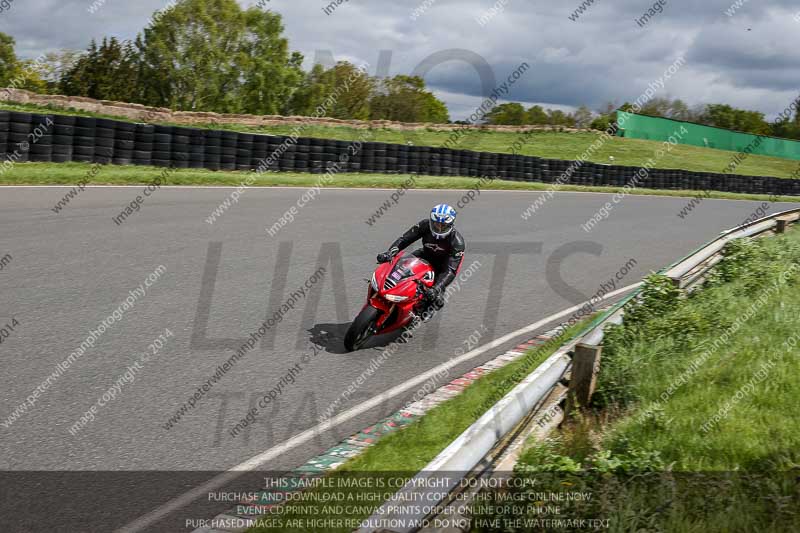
(404, 268)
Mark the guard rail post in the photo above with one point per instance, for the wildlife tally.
(582, 383)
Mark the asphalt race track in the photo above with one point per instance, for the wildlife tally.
(71, 270)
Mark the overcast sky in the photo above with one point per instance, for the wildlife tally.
(750, 59)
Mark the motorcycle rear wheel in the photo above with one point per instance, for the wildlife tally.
(362, 328)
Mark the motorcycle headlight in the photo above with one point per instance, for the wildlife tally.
(393, 298)
(374, 283)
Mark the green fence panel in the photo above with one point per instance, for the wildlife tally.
(660, 129)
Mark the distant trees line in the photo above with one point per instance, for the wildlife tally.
(717, 115)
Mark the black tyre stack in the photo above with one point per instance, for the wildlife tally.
(180, 147)
(59, 138)
(402, 158)
(105, 131)
(475, 169)
(681, 181)
(228, 157)
(601, 174)
(197, 148)
(260, 152)
(301, 160)
(429, 158)
(162, 146)
(470, 162)
(313, 153)
(144, 140)
(19, 129)
(586, 174)
(286, 162)
(352, 155)
(451, 162)
(519, 166)
(518, 163)
(244, 151)
(5, 117)
(124, 143)
(513, 167)
(63, 138)
(83, 142)
(307, 155)
(330, 156)
(414, 159)
(458, 163)
(275, 145)
(368, 157)
(490, 164)
(392, 158)
(531, 172)
(213, 152)
(343, 153)
(380, 151)
(426, 158)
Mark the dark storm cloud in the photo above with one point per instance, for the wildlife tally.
(749, 59)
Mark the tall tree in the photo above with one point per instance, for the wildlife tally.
(343, 91)
(679, 110)
(211, 55)
(106, 72)
(54, 66)
(559, 118)
(8, 59)
(728, 117)
(18, 73)
(404, 98)
(657, 107)
(582, 116)
(270, 72)
(511, 113)
(537, 115)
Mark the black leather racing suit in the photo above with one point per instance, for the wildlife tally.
(445, 255)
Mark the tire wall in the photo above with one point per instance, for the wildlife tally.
(59, 138)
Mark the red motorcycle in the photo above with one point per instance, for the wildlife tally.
(394, 290)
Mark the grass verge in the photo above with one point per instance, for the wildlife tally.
(693, 425)
(72, 173)
(553, 145)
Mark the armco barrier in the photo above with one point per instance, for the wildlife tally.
(107, 141)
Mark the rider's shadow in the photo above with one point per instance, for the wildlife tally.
(331, 338)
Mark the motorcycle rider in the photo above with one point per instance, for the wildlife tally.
(442, 246)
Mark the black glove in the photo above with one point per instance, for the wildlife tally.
(385, 257)
(433, 294)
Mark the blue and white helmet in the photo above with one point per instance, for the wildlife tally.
(443, 218)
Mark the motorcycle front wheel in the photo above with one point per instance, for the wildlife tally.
(362, 328)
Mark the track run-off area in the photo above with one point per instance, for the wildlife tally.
(119, 357)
